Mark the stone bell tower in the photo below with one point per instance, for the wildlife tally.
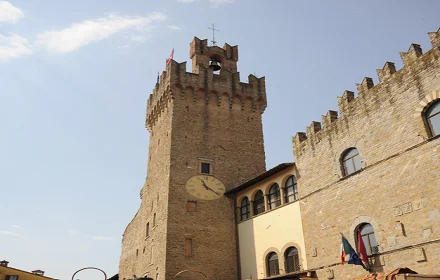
(200, 122)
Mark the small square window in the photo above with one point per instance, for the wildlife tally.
(205, 168)
(191, 206)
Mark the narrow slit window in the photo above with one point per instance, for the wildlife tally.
(188, 247)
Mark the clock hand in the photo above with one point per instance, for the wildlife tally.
(203, 183)
(213, 191)
(208, 188)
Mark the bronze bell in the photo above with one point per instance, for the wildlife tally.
(215, 65)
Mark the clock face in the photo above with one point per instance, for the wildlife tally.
(205, 187)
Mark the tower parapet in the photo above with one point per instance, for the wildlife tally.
(414, 62)
(203, 85)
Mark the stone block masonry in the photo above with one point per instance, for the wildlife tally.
(193, 117)
(397, 190)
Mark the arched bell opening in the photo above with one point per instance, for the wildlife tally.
(215, 63)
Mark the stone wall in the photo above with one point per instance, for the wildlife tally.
(144, 255)
(398, 187)
(192, 117)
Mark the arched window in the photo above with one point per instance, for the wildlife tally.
(351, 161)
(292, 260)
(432, 116)
(272, 264)
(245, 210)
(259, 203)
(291, 190)
(148, 230)
(368, 237)
(274, 196)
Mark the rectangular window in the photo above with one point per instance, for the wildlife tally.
(11, 277)
(188, 247)
(148, 229)
(191, 206)
(205, 168)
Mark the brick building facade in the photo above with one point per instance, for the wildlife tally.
(195, 118)
(374, 169)
(378, 163)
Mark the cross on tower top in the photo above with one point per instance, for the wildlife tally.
(213, 41)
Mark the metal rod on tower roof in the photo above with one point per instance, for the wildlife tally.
(214, 42)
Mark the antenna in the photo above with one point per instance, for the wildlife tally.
(214, 42)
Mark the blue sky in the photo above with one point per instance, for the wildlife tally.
(75, 76)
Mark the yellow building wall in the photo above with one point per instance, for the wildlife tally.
(22, 275)
(272, 231)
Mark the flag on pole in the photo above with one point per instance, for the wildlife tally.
(361, 248)
(171, 57)
(347, 249)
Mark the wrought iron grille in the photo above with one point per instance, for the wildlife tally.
(292, 263)
(273, 267)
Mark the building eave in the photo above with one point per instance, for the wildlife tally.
(261, 177)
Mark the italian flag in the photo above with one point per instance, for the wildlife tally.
(346, 249)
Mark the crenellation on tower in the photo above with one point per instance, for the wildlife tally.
(387, 70)
(414, 62)
(314, 128)
(299, 141)
(366, 84)
(200, 83)
(301, 136)
(231, 52)
(411, 55)
(329, 118)
(435, 38)
(347, 97)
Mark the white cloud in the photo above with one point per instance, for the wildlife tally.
(102, 238)
(221, 2)
(89, 31)
(9, 13)
(173, 27)
(16, 226)
(9, 233)
(14, 46)
(187, 1)
(73, 231)
(139, 38)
